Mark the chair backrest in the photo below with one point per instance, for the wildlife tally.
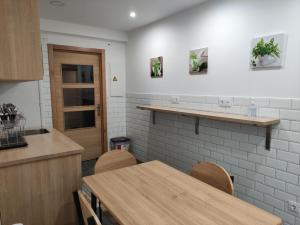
(213, 175)
(114, 159)
(87, 211)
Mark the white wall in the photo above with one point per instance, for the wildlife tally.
(226, 27)
(26, 95)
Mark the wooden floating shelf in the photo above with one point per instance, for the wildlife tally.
(257, 121)
(233, 118)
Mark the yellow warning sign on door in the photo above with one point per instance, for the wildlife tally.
(115, 79)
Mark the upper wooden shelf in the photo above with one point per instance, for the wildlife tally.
(257, 121)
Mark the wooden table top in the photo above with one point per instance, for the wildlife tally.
(156, 194)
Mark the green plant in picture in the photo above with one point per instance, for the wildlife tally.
(203, 66)
(195, 61)
(266, 52)
(263, 48)
(156, 68)
(199, 61)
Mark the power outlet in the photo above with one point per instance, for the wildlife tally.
(294, 207)
(175, 99)
(225, 102)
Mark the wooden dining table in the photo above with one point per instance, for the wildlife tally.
(154, 193)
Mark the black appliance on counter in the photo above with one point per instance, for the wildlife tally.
(12, 125)
(12, 128)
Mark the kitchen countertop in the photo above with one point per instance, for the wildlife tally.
(40, 147)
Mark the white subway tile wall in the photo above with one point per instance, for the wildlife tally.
(265, 178)
(45, 87)
(116, 125)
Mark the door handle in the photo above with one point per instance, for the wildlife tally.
(98, 110)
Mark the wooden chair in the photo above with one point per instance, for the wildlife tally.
(115, 159)
(112, 160)
(213, 175)
(85, 212)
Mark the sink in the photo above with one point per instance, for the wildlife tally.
(35, 132)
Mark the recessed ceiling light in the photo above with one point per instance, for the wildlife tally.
(57, 3)
(132, 14)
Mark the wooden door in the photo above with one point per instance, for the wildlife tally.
(76, 89)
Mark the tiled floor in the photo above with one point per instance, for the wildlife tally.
(88, 167)
(87, 170)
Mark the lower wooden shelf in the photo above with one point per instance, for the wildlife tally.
(233, 118)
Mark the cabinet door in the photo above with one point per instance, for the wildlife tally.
(20, 43)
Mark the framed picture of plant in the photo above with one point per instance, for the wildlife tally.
(156, 66)
(267, 52)
(199, 61)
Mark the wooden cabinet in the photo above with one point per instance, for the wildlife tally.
(40, 193)
(20, 43)
(37, 182)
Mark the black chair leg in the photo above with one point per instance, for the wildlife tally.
(94, 202)
(91, 221)
(100, 212)
(97, 210)
(78, 208)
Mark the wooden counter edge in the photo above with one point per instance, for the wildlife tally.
(40, 158)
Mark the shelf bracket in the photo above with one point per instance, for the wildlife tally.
(197, 125)
(153, 117)
(268, 137)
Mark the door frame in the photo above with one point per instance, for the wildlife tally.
(102, 85)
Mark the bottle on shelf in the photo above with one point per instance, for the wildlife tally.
(252, 109)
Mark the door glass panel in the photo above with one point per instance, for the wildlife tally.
(81, 119)
(77, 74)
(79, 97)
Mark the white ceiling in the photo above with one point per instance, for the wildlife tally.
(114, 14)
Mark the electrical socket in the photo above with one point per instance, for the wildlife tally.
(175, 99)
(225, 102)
(294, 207)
